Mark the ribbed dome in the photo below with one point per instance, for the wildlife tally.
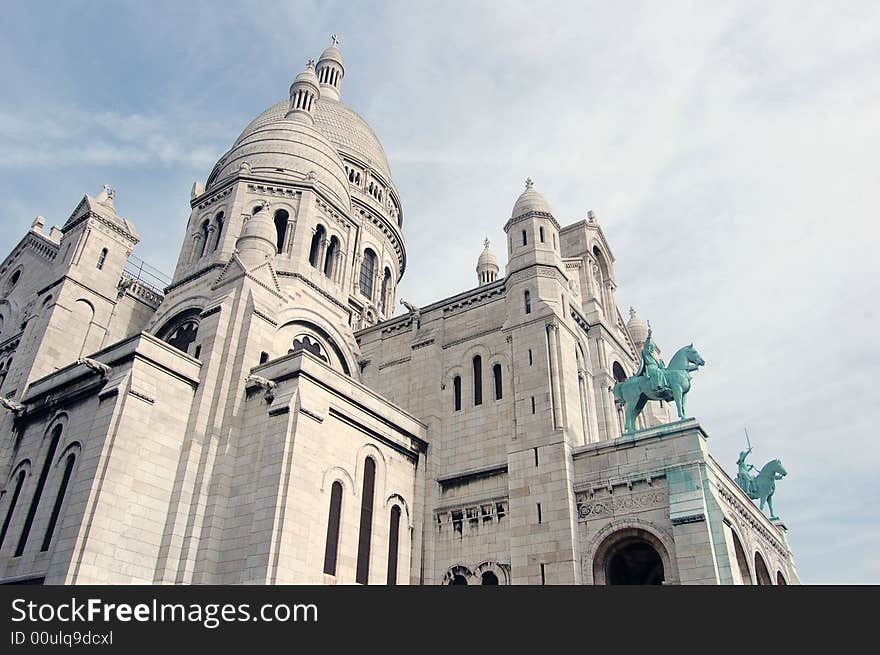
(286, 150)
(530, 201)
(342, 126)
(637, 328)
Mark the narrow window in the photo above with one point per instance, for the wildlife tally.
(533, 404)
(528, 302)
(393, 536)
(496, 373)
(525, 238)
(205, 234)
(41, 482)
(478, 380)
(368, 269)
(363, 555)
(264, 357)
(102, 258)
(12, 502)
(315, 247)
(333, 522)
(386, 282)
(59, 500)
(456, 392)
(541, 234)
(219, 222)
(198, 351)
(543, 577)
(554, 241)
(539, 512)
(536, 456)
(330, 257)
(281, 218)
(530, 357)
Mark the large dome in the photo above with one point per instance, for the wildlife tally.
(347, 131)
(286, 149)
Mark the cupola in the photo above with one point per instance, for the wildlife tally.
(304, 93)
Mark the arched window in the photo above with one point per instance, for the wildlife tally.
(14, 279)
(456, 393)
(741, 560)
(315, 247)
(489, 578)
(618, 372)
(525, 238)
(527, 299)
(332, 546)
(12, 502)
(368, 270)
(393, 538)
(281, 218)
(102, 258)
(496, 375)
(219, 222)
(330, 258)
(182, 330)
(780, 579)
(366, 527)
(478, 380)
(541, 234)
(205, 234)
(386, 282)
(59, 500)
(41, 482)
(458, 579)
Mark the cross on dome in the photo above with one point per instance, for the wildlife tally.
(529, 183)
(310, 63)
(486, 243)
(334, 40)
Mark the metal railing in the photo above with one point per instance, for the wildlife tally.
(149, 276)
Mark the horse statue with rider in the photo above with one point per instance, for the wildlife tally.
(760, 486)
(657, 381)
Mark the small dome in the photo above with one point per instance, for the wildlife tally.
(332, 53)
(637, 328)
(487, 257)
(530, 201)
(308, 76)
(487, 265)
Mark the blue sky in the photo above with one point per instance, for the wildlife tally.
(730, 151)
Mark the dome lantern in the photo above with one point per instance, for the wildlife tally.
(487, 265)
(304, 93)
(331, 70)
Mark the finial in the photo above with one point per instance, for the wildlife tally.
(529, 183)
(310, 63)
(486, 243)
(632, 312)
(334, 40)
(591, 216)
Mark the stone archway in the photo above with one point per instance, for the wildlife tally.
(631, 556)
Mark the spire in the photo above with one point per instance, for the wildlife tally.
(331, 70)
(303, 93)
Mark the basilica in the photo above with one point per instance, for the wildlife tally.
(263, 417)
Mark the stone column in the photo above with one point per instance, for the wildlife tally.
(288, 237)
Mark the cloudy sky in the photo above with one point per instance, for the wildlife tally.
(730, 151)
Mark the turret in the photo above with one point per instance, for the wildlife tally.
(487, 265)
(304, 92)
(532, 232)
(331, 70)
(256, 243)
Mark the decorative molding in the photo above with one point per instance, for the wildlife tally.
(690, 518)
(589, 509)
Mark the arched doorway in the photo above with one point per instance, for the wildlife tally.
(635, 562)
(457, 579)
(761, 572)
(780, 579)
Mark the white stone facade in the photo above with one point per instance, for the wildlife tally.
(260, 418)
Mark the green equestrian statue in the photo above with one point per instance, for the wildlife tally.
(656, 381)
(760, 486)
